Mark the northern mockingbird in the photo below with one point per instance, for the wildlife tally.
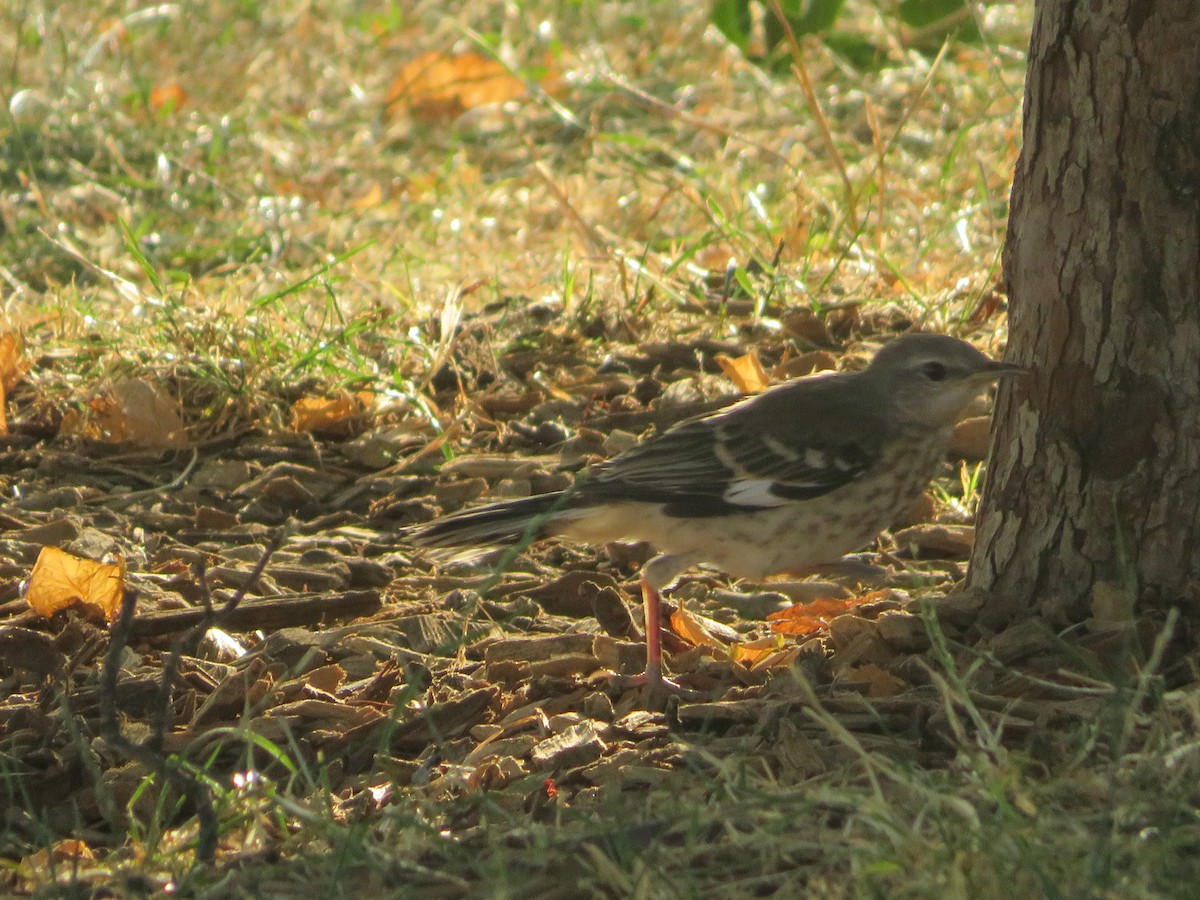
(790, 479)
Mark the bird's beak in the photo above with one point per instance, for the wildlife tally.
(1003, 370)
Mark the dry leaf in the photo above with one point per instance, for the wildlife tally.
(746, 372)
(437, 87)
(12, 368)
(752, 653)
(808, 327)
(805, 364)
(688, 627)
(69, 853)
(809, 617)
(132, 411)
(780, 659)
(13, 364)
(311, 414)
(373, 197)
(951, 540)
(167, 97)
(972, 438)
(879, 682)
(60, 580)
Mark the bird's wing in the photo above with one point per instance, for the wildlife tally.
(757, 454)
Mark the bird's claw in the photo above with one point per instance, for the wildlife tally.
(655, 686)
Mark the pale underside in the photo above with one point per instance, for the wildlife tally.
(786, 538)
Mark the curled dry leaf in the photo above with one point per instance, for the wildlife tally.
(810, 617)
(744, 371)
(689, 627)
(765, 652)
(439, 87)
(324, 414)
(762, 653)
(12, 369)
(60, 580)
(132, 411)
(69, 854)
(13, 364)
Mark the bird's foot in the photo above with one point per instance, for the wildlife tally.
(656, 686)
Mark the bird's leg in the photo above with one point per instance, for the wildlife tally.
(652, 613)
(652, 679)
(660, 572)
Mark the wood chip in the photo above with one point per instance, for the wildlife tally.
(955, 541)
(576, 746)
(533, 649)
(443, 721)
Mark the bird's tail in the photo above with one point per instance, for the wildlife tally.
(494, 525)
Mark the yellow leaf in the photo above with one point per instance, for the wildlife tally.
(689, 628)
(60, 580)
(13, 365)
(323, 414)
(745, 371)
(440, 87)
(750, 653)
(779, 659)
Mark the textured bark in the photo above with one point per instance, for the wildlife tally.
(1094, 487)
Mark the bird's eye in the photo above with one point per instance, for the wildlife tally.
(934, 371)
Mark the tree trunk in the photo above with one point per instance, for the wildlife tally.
(1093, 495)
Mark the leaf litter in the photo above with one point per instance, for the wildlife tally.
(408, 673)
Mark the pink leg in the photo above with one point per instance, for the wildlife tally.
(653, 678)
(652, 609)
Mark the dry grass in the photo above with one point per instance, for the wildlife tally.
(283, 234)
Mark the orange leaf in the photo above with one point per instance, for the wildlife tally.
(436, 87)
(60, 580)
(371, 198)
(13, 365)
(328, 414)
(688, 627)
(805, 618)
(167, 98)
(745, 371)
(775, 659)
(68, 852)
(751, 653)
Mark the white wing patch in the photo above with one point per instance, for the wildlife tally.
(816, 459)
(780, 449)
(752, 492)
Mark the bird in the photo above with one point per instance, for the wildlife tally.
(786, 480)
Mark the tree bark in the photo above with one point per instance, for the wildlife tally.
(1093, 496)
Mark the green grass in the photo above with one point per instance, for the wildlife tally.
(277, 234)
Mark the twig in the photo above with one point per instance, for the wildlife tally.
(149, 752)
(814, 105)
(169, 768)
(124, 499)
(281, 612)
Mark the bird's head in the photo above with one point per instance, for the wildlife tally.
(934, 377)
